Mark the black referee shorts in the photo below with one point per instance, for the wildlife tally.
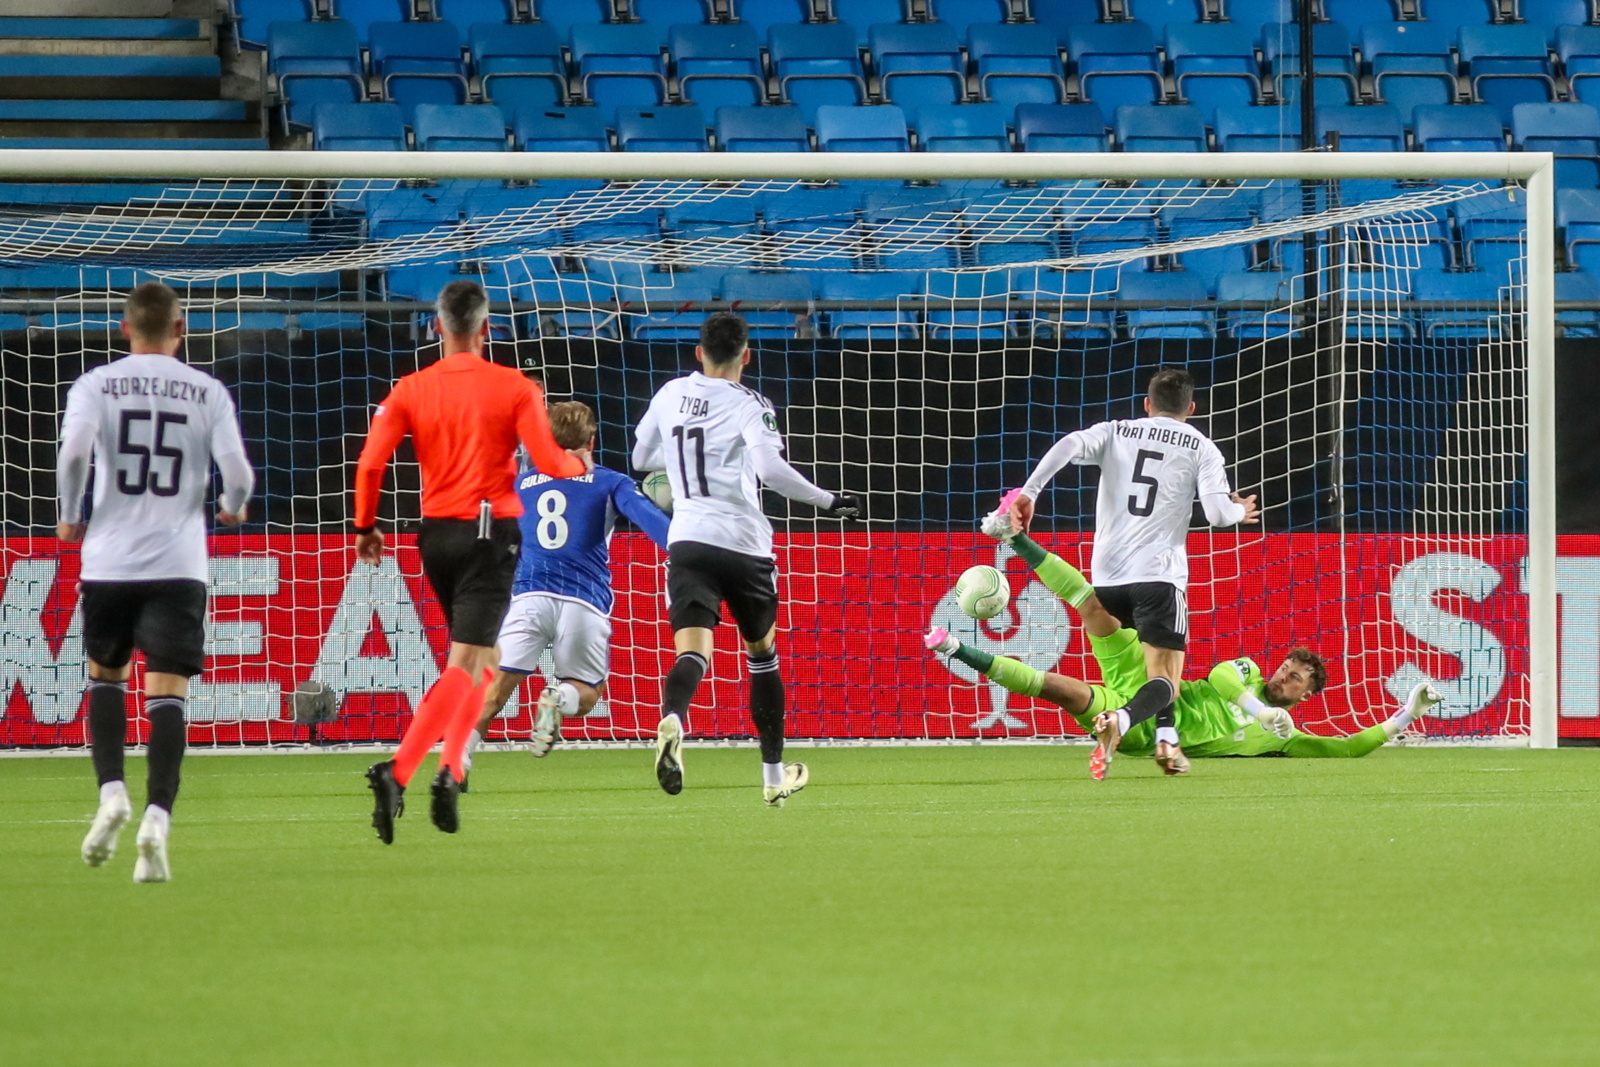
(471, 576)
(1159, 611)
(166, 620)
(701, 578)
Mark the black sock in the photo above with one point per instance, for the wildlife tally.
(1029, 551)
(108, 728)
(1152, 701)
(168, 736)
(682, 680)
(766, 703)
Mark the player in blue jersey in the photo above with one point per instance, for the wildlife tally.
(561, 596)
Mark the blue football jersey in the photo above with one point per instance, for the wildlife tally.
(566, 532)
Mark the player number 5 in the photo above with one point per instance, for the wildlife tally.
(1141, 478)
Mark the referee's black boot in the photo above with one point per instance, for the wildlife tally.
(388, 799)
(445, 791)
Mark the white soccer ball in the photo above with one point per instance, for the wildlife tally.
(982, 592)
(658, 489)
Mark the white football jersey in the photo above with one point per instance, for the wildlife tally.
(705, 428)
(1151, 472)
(157, 423)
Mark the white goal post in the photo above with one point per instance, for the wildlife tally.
(1533, 172)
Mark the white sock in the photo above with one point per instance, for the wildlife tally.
(1123, 722)
(1169, 734)
(157, 819)
(474, 739)
(110, 790)
(772, 774)
(567, 704)
(1398, 722)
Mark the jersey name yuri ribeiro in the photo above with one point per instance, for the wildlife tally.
(157, 424)
(1151, 472)
(706, 429)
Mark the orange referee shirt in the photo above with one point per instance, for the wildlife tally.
(465, 416)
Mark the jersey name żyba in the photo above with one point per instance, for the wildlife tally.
(157, 424)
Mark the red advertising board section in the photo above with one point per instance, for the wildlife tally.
(286, 609)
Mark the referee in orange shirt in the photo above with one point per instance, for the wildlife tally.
(465, 416)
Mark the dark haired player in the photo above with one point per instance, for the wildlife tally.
(153, 426)
(1151, 470)
(1234, 712)
(718, 441)
(465, 416)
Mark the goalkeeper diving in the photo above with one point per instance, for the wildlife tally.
(1235, 711)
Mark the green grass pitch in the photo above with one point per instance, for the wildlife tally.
(919, 906)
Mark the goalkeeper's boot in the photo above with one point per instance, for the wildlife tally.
(100, 844)
(547, 721)
(151, 866)
(1107, 736)
(795, 777)
(939, 641)
(997, 524)
(669, 754)
(445, 790)
(388, 799)
(1170, 758)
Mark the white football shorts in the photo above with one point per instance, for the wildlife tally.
(577, 634)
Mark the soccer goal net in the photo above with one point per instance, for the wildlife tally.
(1370, 353)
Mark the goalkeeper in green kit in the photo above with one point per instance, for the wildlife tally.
(1236, 711)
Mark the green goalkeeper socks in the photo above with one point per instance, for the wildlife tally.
(1059, 576)
(1012, 674)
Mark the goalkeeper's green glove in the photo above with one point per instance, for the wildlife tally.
(1422, 699)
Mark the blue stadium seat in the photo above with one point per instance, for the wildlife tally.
(1570, 130)
(564, 300)
(1550, 14)
(867, 12)
(669, 13)
(1160, 14)
(1376, 128)
(718, 66)
(253, 18)
(1256, 14)
(820, 225)
(927, 214)
(904, 288)
(1050, 292)
(1462, 128)
(1579, 50)
(1208, 219)
(948, 323)
(740, 287)
(562, 15)
(1059, 16)
(1578, 219)
(359, 128)
(1188, 314)
(816, 65)
(1174, 128)
(315, 63)
(1355, 13)
(519, 66)
(762, 15)
(1333, 60)
(1214, 65)
(1578, 286)
(964, 13)
(571, 129)
(1454, 14)
(1258, 129)
(963, 128)
(862, 129)
(1507, 65)
(717, 219)
(1411, 65)
(1016, 64)
(1116, 65)
(1117, 235)
(419, 63)
(1492, 232)
(674, 291)
(472, 12)
(361, 14)
(1061, 128)
(661, 129)
(620, 66)
(780, 128)
(1459, 324)
(459, 127)
(1269, 289)
(918, 65)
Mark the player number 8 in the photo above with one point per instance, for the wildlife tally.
(552, 528)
